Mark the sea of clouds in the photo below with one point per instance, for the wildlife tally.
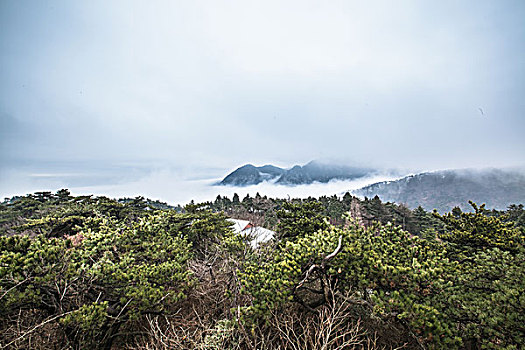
(168, 185)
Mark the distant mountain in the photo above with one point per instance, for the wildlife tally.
(252, 175)
(443, 190)
(319, 172)
(314, 171)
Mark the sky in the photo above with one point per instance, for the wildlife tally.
(94, 93)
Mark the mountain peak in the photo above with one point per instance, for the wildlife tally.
(313, 171)
(249, 174)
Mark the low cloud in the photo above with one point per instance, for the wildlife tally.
(169, 187)
(413, 84)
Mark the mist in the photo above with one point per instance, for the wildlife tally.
(170, 185)
(125, 96)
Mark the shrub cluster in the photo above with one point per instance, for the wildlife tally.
(84, 272)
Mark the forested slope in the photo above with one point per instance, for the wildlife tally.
(444, 190)
(92, 272)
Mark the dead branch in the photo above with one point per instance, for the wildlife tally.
(35, 328)
(15, 286)
(326, 259)
(335, 252)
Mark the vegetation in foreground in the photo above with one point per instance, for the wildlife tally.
(97, 273)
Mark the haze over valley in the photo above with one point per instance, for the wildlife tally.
(175, 185)
(162, 99)
(440, 189)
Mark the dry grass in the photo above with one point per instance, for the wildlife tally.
(208, 325)
(209, 320)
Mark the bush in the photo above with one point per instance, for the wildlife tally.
(96, 273)
(449, 293)
(114, 274)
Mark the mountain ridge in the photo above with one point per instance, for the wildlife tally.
(313, 171)
(445, 189)
(249, 174)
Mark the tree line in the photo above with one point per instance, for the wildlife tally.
(80, 272)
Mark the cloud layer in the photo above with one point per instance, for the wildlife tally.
(222, 83)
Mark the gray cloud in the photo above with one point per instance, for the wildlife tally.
(208, 83)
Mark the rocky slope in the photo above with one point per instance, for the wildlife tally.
(443, 190)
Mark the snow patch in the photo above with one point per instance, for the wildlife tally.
(255, 234)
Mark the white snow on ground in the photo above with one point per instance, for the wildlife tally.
(257, 234)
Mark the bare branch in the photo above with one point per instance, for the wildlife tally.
(335, 252)
(35, 328)
(15, 286)
(322, 266)
(310, 270)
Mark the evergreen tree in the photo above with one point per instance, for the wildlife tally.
(236, 200)
(300, 219)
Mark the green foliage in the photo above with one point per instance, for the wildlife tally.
(515, 214)
(382, 263)
(445, 294)
(91, 321)
(300, 219)
(477, 230)
(102, 264)
(96, 267)
(29, 269)
(486, 298)
(138, 265)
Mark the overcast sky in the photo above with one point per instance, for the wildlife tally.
(420, 84)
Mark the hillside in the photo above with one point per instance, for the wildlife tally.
(443, 190)
(252, 175)
(98, 273)
(314, 171)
